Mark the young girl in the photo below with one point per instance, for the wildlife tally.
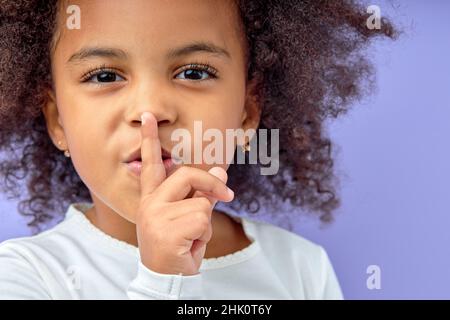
(91, 90)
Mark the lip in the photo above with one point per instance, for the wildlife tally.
(136, 155)
(134, 161)
(135, 167)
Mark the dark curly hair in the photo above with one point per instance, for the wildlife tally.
(306, 56)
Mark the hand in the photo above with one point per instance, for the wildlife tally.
(173, 230)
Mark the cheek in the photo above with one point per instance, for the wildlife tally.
(87, 158)
(222, 112)
(212, 141)
(90, 150)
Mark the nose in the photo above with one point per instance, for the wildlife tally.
(155, 98)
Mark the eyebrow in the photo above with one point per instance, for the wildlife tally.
(199, 46)
(104, 52)
(92, 52)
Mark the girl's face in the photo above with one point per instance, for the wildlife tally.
(143, 49)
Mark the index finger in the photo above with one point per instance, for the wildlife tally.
(153, 172)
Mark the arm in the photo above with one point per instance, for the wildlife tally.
(331, 289)
(152, 285)
(19, 280)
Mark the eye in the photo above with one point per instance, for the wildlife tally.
(102, 75)
(198, 72)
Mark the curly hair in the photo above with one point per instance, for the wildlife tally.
(306, 56)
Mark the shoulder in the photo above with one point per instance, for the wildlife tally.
(30, 265)
(297, 257)
(29, 247)
(273, 237)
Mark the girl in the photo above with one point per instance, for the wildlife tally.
(93, 89)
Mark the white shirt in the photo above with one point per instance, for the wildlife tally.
(76, 260)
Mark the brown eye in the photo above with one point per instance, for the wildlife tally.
(104, 77)
(198, 72)
(194, 74)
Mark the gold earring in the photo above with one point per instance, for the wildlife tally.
(246, 147)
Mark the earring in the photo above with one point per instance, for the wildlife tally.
(66, 152)
(246, 147)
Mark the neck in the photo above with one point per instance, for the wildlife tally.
(113, 224)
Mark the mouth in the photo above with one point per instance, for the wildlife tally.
(134, 161)
(136, 156)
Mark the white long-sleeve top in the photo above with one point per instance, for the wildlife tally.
(76, 260)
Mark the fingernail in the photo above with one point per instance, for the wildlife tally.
(144, 117)
(230, 192)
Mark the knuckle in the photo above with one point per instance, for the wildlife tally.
(204, 203)
(209, 234)
(202, 219)
(183, 171)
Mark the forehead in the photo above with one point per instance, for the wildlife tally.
(150, 27)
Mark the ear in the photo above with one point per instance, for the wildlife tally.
(52, 118)
(251, 114)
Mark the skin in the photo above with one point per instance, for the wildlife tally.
(100, 124)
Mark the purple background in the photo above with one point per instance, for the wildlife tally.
(394, 166)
